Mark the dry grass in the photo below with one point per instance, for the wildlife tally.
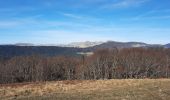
(130, 89)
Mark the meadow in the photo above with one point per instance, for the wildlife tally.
(115, 89)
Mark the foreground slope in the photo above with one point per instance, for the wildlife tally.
(130, 89)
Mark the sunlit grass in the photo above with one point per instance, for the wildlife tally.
(129, 89)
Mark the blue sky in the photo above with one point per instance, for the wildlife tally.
(64, 21)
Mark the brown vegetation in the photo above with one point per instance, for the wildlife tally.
(103, 64)
(125, 89)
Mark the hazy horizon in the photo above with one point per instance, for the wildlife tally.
(67, 21)
(74, 42)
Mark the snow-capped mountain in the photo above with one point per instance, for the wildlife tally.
(24, 44)
(83, 44)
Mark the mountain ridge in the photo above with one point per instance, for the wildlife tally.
(23, 49)
(98, 44)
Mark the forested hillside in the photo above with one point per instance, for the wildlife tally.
(8, 51)
(103, 64)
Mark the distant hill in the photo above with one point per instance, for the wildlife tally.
(167, 45)
(24, 44)
(76, 49)
(13, 50)
(113, 44)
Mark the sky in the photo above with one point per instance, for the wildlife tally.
(65, 21)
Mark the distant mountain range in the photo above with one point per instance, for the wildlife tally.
(73, 44)
(108, 44)
(72, 49)
(112, 44)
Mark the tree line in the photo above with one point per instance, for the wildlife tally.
(103, 64)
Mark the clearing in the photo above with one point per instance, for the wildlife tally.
(125, 89)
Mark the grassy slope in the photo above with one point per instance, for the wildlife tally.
(130, 89)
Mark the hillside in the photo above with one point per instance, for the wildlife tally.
(167, 45)
(24, 49)
(128, 89)
(114, 44)
(14, 50)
